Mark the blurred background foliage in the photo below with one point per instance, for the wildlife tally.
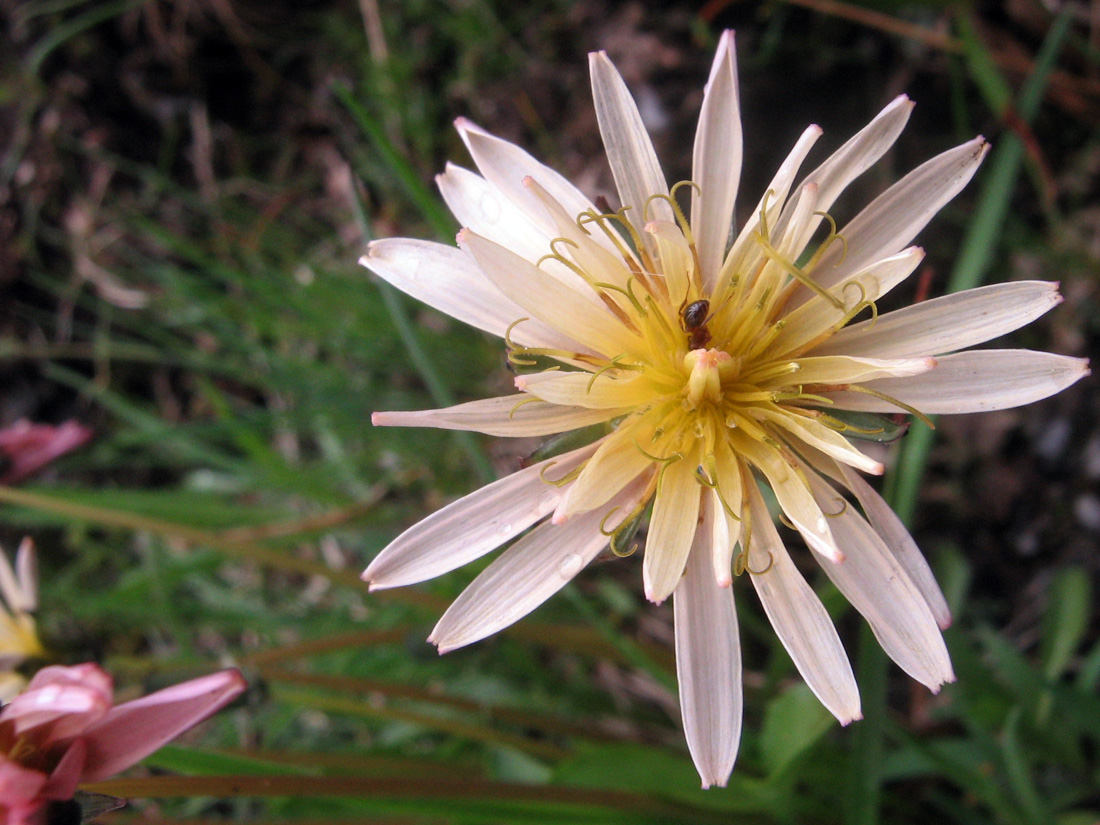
(185, 188)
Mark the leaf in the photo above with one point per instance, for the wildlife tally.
(1066, 620)
(793, 722)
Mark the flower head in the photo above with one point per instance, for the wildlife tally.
(18, 599)
(717, 370)
(65, 730)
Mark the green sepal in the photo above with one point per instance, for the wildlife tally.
(866, 426)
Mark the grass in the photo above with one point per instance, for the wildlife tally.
(229, 177)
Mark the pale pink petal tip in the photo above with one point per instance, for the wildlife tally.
(649, 594)
(377, 419)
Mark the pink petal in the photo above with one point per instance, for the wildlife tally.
(59, 703)
(132, 731)
(20, 790)
(66, 776)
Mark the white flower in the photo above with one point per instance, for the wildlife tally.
(718, 370)
(18, 638)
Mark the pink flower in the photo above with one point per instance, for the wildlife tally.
(29, 447)
(64, 730)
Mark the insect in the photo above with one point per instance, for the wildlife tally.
(694, 318)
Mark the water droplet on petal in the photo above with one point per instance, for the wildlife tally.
(570, 566)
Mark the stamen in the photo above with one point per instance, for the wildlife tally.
(626, 529)
(639, 245)
(834, 423)
(795, 272)
(889, 399)
(767, 567)
(512, 412)
(709, 478)
(614, 364)
(665, 461)
(628, 292)
(565, 479)
(830, 239)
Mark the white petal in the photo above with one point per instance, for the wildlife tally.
(617, 463)
(949, 323)
(775, 195)
(973, 381)
(505, 166)
(840, 369)
(447, 279)
(800, 619)
(9, 587)
(510, 415)
(857, 155)
(716, 162)
(796, 499)
(827, 440)
(583, 389)
(26, 573)
(815, 319)
(525, 575)
(482, 207)
(469, 528)
(708, 664)
(891, 221)
(547, 299)
(633, 162)
(901, 544)
(728, 525)
(581, 246)
(881, 590)
(672, 528)
(674, 253)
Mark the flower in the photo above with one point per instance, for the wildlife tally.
(28, 447)
(18, 638)
(718, 371)
(63, 730)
